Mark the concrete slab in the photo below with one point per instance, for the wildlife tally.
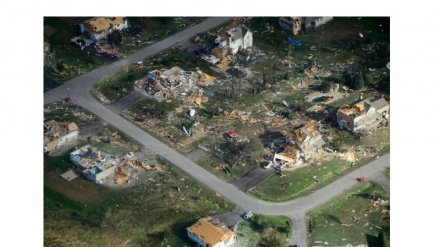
(69, 175)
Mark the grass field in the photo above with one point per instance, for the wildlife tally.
(152, 213)
(64, 112)
(349, 219)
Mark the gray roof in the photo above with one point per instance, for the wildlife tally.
(380, 103)
(239, 32)
(308, 20)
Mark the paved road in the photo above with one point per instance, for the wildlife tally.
(79, 86)
(295, 209)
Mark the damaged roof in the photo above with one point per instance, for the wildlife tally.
(52, 145)
(100, 24)
(72, 126)
(239, 32)
(209, 233)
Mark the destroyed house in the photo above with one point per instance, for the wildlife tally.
(362, 116)
(288, 155)
(94, 165)
(208, 232)
(290, 24)
(100, 27)
(308, 137)
(235, 39)
(59, 134)
(175, 83)
(313, 22)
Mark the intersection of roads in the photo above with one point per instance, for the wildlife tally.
(79, 89)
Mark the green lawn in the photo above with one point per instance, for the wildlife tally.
(152, 213)
(263, 230)
(213, 164)
(300, 181)
(335, 224)
(387, 173)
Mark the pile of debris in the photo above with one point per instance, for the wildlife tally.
(176, 83)
(131, 168)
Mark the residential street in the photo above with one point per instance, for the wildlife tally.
(79, 87)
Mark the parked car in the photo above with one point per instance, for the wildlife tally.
(130, 154)
(267, 164)
(279, 167)
(248, 215)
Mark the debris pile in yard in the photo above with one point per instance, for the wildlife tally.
(59, 134)
(131, 168)
(176, 83)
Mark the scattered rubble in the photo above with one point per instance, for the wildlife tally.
(176, 83)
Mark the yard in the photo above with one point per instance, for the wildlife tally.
(305, 180)
(115, 86)
(151, 213)
(361, 216)
(269, 100)
(67, 112)
(264, 231)
(66, 60)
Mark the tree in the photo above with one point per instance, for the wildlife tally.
(348, 76)
(384, 239)
(244, 152)
(384, 85)
(325, 87)
(358, 82)
(354, 80)
(60, 66)
(130, 78)
(115, 38)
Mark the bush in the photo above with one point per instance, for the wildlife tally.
(325, 87)
(60, 66)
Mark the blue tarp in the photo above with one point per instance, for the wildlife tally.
(292, 41)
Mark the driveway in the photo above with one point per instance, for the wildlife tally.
(252, 178)
(127, 101)
(79, 89)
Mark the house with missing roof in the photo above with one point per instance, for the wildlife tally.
(57, 135)
(296, 24)
(100, 27)
(363, 116)
(307, 137)
(305, 140)
(208, 232)
(94, 165)
(235, 39)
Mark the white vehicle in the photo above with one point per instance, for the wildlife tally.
(248, 215)
(268, 164)
(130, 154)
(279, 167)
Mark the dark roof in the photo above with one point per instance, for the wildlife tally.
(239, 32)
(90, 154)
